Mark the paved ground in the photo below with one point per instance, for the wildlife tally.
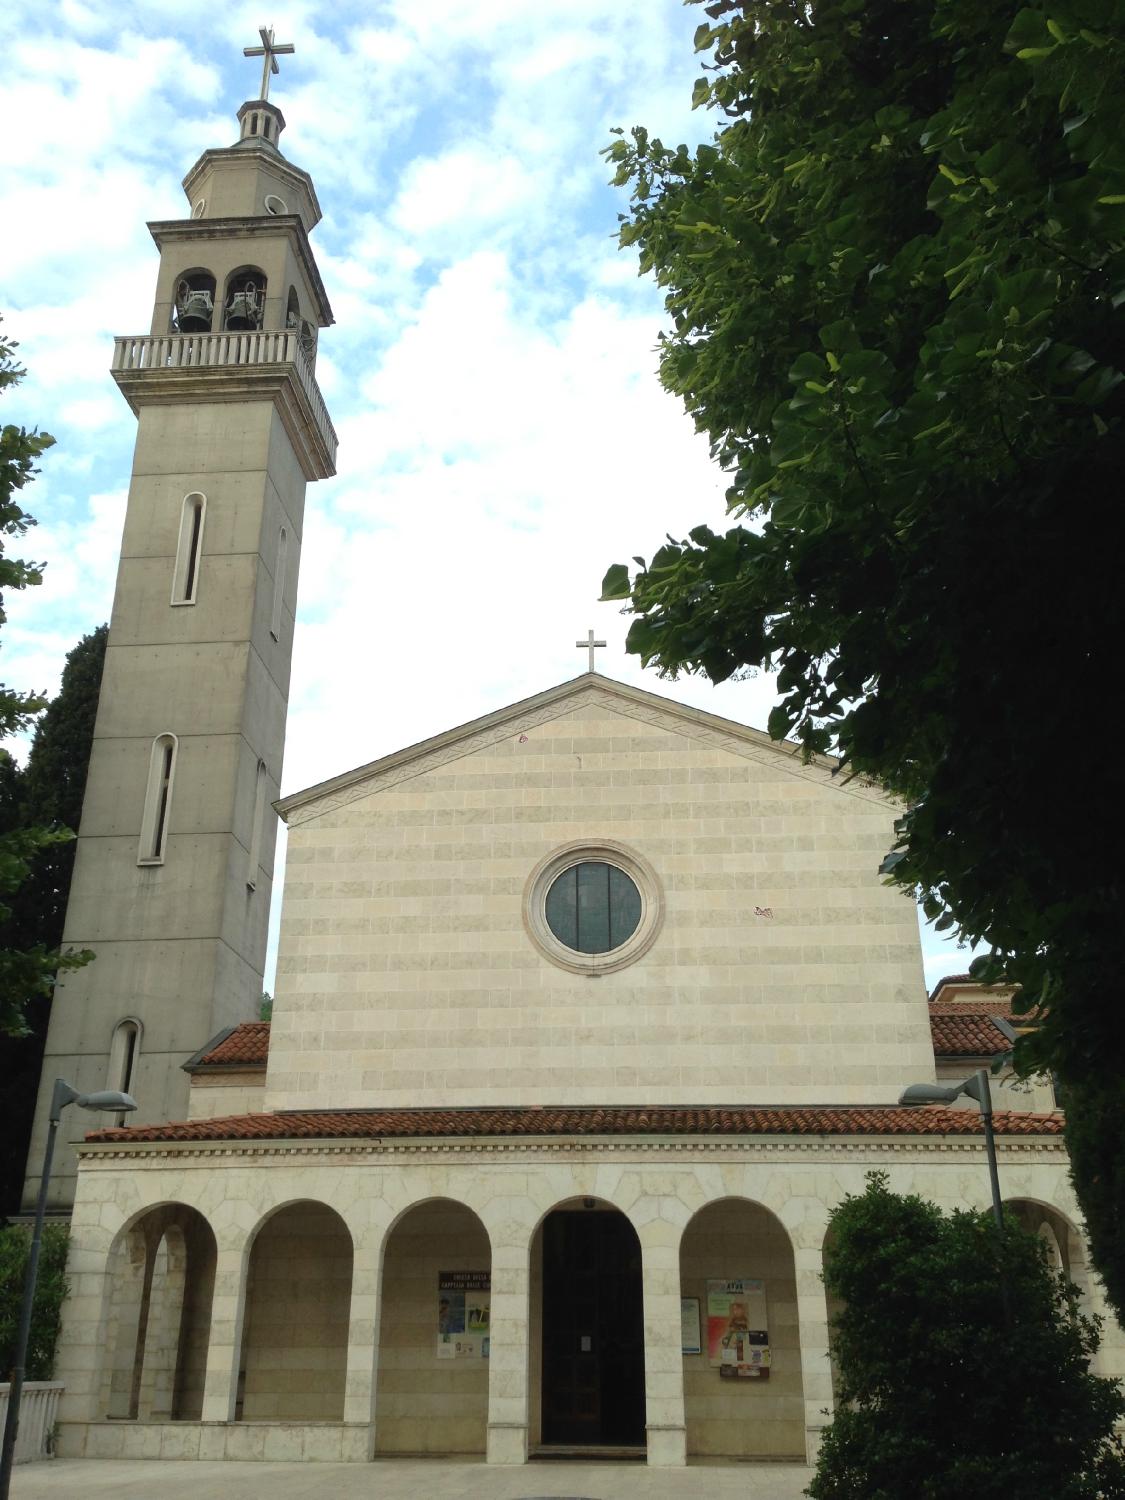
(402, 1479)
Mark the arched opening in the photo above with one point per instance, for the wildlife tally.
(124, 1050)
(434, 1332)
(295, 1327)
(189, 549)
(193, 310)
(1062, 1245)
(158, 800)
(162, 1279)
(254, 853)
(244, 302)
(281, 567)
(743, 1392)
(587, 1330)
(293, 309)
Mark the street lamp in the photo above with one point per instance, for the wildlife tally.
(977, 1088)
(107, 1099)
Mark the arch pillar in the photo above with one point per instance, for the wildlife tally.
(807, 1223)
(665, 1425)
(510, 1225)
(86, 1316)
(368, 1243)
(167, 1287)
(224, 1348)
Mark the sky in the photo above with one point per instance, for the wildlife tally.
(491, 373)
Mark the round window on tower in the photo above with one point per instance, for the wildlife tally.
(593, 908)
(276, 205)
(198, 207)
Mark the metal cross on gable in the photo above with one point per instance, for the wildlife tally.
(590, 645)
(269, 52)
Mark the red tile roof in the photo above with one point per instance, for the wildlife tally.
(245, 1046)
(548, 1120)
(958, 1032)
(960, 1029)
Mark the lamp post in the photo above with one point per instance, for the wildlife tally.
(63, 1095)
(977, 1088)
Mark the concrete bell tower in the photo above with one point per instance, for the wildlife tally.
(174, 865)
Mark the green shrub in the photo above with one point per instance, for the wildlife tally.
(963, 1364)
(50, 1292)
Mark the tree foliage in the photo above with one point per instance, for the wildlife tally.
(51, 1287)
(896, 284)
(47, 791)
(939, 1391)
(25, 972)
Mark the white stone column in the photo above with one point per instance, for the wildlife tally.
(508, 1338)
(363, 1331)
(224, 1346)
(664, 1364)
(82, 1354)
(807, 1235)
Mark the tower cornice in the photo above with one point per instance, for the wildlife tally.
(197, 231)
(177, 368)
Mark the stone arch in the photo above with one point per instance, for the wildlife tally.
(193, 302)
(586, 1370)
(431, 1392)
(762, 1415)
(161, 1275)
(298, 1280)
(1065, 1247)
(244, 300)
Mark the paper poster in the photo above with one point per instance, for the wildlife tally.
(689, 1326)
(464, 1308)
(737, 1329)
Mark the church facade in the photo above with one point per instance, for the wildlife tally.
(587, 1012)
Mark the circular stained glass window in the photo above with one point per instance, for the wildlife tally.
(593, 907)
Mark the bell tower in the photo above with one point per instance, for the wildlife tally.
(174, 865)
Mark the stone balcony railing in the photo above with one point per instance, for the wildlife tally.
(38, 1414)
(182, 367)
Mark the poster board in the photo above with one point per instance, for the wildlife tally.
(690, 1339)
(738, 1340)
(464, 1306)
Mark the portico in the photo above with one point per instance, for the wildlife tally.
(394, 1209)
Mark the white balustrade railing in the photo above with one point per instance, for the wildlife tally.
(182, 351)
(39, 1406)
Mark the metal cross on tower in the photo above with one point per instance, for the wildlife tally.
(590, 645)
(269, 52)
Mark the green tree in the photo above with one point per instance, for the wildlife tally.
(48, 791)
(940, 1393)
(25, 973)
(51, 1287)
(896, 284)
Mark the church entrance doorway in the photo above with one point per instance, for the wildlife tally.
(592, 1371)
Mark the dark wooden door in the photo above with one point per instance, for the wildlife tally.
(593, 1331)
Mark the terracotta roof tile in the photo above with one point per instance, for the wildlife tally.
(548, 1120)
(246, 1045)
(973, 1034)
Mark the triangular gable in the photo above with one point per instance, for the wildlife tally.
(591, 689)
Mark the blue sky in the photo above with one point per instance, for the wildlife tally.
(491, 374)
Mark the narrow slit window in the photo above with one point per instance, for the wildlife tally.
(254, 857)
(158, 800)
(124, 1049)
(123, 1055)
(279, 583)
(185, 580)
